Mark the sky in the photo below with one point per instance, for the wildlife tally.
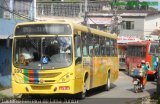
(157, 7)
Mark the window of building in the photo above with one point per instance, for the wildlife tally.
(156, 24)
(128, 25)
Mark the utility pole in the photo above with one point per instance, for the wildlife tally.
(11, 5)
(34, 10)
(1, 10)
(114, 25)
(85, 13)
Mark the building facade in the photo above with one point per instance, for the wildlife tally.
(11, 13)
(132, 24)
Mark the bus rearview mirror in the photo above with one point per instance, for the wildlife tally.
(153, 49)
(8, 43)
(78, 60)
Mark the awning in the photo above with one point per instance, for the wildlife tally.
(126, 39)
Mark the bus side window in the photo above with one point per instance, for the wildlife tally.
(90, 44)
(102, 46)
(107, 44)
(115, 48)
(84, 44)
(96, 46)
(78, 55)
(111, 48)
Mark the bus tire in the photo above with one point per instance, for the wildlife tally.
(30, 96)
(82, 95)
(108, 83)
(25, 96)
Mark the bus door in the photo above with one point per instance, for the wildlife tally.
(78, 57)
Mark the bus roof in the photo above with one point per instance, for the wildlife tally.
(75, 26)
(138, 43)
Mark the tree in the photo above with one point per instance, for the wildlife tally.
(131, 5)
(144, 5)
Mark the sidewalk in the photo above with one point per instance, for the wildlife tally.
(7, 92)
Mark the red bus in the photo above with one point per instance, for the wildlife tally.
(138, 51)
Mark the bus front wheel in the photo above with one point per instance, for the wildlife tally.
(82, 94)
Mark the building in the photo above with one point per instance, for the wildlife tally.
(11, 13)
(133, 23)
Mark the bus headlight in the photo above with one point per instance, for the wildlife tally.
(65, 78)
(18, 78)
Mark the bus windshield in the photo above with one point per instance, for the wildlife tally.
(43, 29)
(136, 51)
(30, 52)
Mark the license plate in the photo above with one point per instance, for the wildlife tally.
(135, 82)
(64, 88)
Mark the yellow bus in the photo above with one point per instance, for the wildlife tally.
(53, 57)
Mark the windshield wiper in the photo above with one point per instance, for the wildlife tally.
(31, 41)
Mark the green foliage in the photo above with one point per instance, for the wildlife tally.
(2, 96)
(158, 102)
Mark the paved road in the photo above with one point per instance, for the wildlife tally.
(123, 88)
(121, 92)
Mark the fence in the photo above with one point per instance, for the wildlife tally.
(68, 9)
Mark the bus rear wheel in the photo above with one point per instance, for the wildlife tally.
(108, 83)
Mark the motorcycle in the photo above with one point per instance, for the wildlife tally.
(137, 80)
(138, 87)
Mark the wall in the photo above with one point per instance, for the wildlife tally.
(6, 29)
(151, 23)
(5, 64)
(138, 28)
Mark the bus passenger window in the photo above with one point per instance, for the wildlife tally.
(96, 46)
(102, 46)
(77, 46)
(107, 44)
(91, 51)
(84, 43)
(85, 52)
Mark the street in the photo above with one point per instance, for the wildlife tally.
(123, 88)
(121, 92)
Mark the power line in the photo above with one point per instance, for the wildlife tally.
(16, 13)
(9, 9)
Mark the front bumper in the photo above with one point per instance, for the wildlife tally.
(55, 88)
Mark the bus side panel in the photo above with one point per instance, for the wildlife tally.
(95, 71)
(153, 61)
(148, 57)
(114, 69)
(103, 71)
(78, 78)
